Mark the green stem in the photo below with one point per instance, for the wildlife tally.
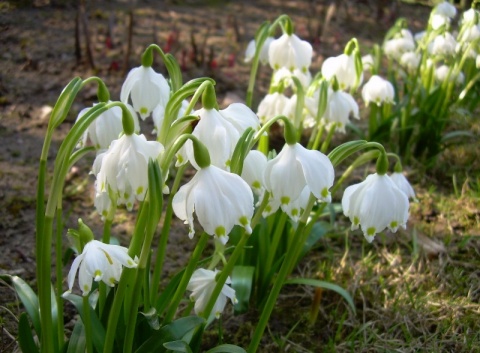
(279, 228)
(102, 287)
(327, 141)
(372, 121)
(162, 246)
(186, 278)
(59, 275)
(288, 263)
(318, 137)
(87, 324)
(44, 285)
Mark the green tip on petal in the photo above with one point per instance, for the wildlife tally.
(356, 220)
(220, 231)
(324, 193)
(394, 224)
(371, 231)
(285, 200)
(139, 190)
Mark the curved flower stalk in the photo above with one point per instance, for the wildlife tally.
(201, 284)
(123, 168)
(219, 198)
(107, 127)
(219, 131)
(378, 90)
(99, 262)
(295, 168)
(375, 204)
(291, 52)
(146, 88)
(343, 68)
(251, 47)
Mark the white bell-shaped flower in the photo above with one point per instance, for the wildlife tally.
(340, 106)
(410, 61)
(343, 68)
(443, 72)
(402, 183)
(443, 45)
(403, 42)
(271, 106)
(106, 127)
(378, 91)
(123, 168)
(219, 131)
(367, 62)
(219, 198)
(375, 204)
(253, 171)
(296, 167)
(201, 284)
(99, 262)
(291, 52)
(445, 9)
(251, 47)
(146, 88)
(284, 76)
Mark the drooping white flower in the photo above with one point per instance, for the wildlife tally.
(251, 47)
(219, 198)
(375, 204)
(146, 88)
(343, 68)
(219, 131)
(443, 45)
(378, 91)
(401, 43)
(253, 170)
(284, 76)
(106, 127)
(291, 52)
(410, 61)
(99, 262)
(340, 106)
(201, 284)
(296, 167)
(367, 62)
(123, 168)
(443, 72)
(271, 105)
(402, 183)
(445, 9)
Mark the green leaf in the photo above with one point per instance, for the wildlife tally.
(172, 332)
(25, 337)
(29, 300)
(318, 231)
(164, 299)
(325, 285)
(178, 346)
(98, 331)
(227, 348)
(242, 280)
(456, 134)
(78, 340)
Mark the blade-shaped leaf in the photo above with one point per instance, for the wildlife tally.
(227, 348)
(178, 346)
(324, 285)
(25, 338)
(77, 341)
(242, 280)
(29, 300)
